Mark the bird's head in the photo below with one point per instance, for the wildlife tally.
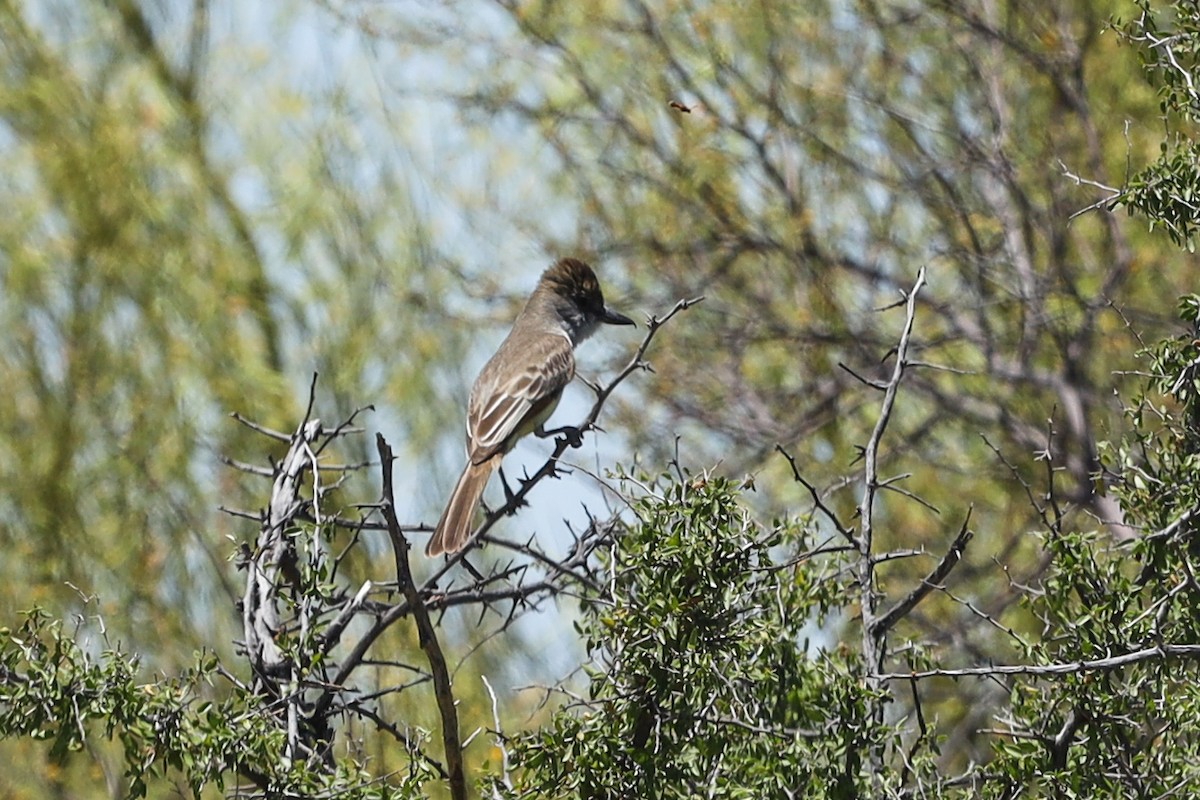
(577, 297)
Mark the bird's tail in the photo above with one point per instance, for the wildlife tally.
(454, 528)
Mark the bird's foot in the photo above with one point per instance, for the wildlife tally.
(572, 435)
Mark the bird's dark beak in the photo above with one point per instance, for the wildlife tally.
(610, 317)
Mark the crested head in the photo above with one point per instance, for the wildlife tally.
(572, 278)
(571, 289)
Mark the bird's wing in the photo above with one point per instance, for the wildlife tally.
(514, 392)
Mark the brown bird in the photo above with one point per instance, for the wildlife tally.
(521, 384)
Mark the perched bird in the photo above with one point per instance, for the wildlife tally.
(521, 384)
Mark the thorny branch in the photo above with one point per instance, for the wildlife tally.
(428, 635)
(931, 581)
(818, 501)
(272, 555)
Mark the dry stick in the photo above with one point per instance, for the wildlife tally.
(931, 581)
(260, 616)
(428, 636)
(1162, 651)
(505, 767)
(873, 640)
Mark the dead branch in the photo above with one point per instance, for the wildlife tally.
(873, 638)
(428, 636)
(1160, 652)
(930, 582)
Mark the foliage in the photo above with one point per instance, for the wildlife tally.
(704, 681)
(797, 162)
(54, 689)
(1123, 730)
(1167, 192)
(1160, 458)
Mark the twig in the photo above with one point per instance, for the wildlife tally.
(1111, 192)
(871, 480)
(332, 634)
(922, 736)
(237, 512)
(504, 764)
(241, 466)
(397, 734)
(846, 533)
(878, 385)
(890, 485)
(265, 431)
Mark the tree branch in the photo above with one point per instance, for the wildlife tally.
(273, 553)
(931, 581)
(874, 649)
(846, 533)
(1162, 651)
(428, 636)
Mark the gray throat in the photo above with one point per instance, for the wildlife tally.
(576, 323)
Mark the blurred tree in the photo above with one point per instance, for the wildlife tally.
(170, 259)
(798, 163)
(191, 230)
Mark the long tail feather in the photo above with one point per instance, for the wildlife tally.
(454, 528)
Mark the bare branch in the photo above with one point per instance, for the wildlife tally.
(252, 469)
(498, 732)
(265, 431)
(879, 385)
(866, 508)
(1161, 652)
(873, 635)
(428, 636)
(931, 581)
(273, 554)
(846, 533)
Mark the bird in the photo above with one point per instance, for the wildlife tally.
(519, 387)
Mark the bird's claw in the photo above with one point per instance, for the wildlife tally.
(572, 436)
